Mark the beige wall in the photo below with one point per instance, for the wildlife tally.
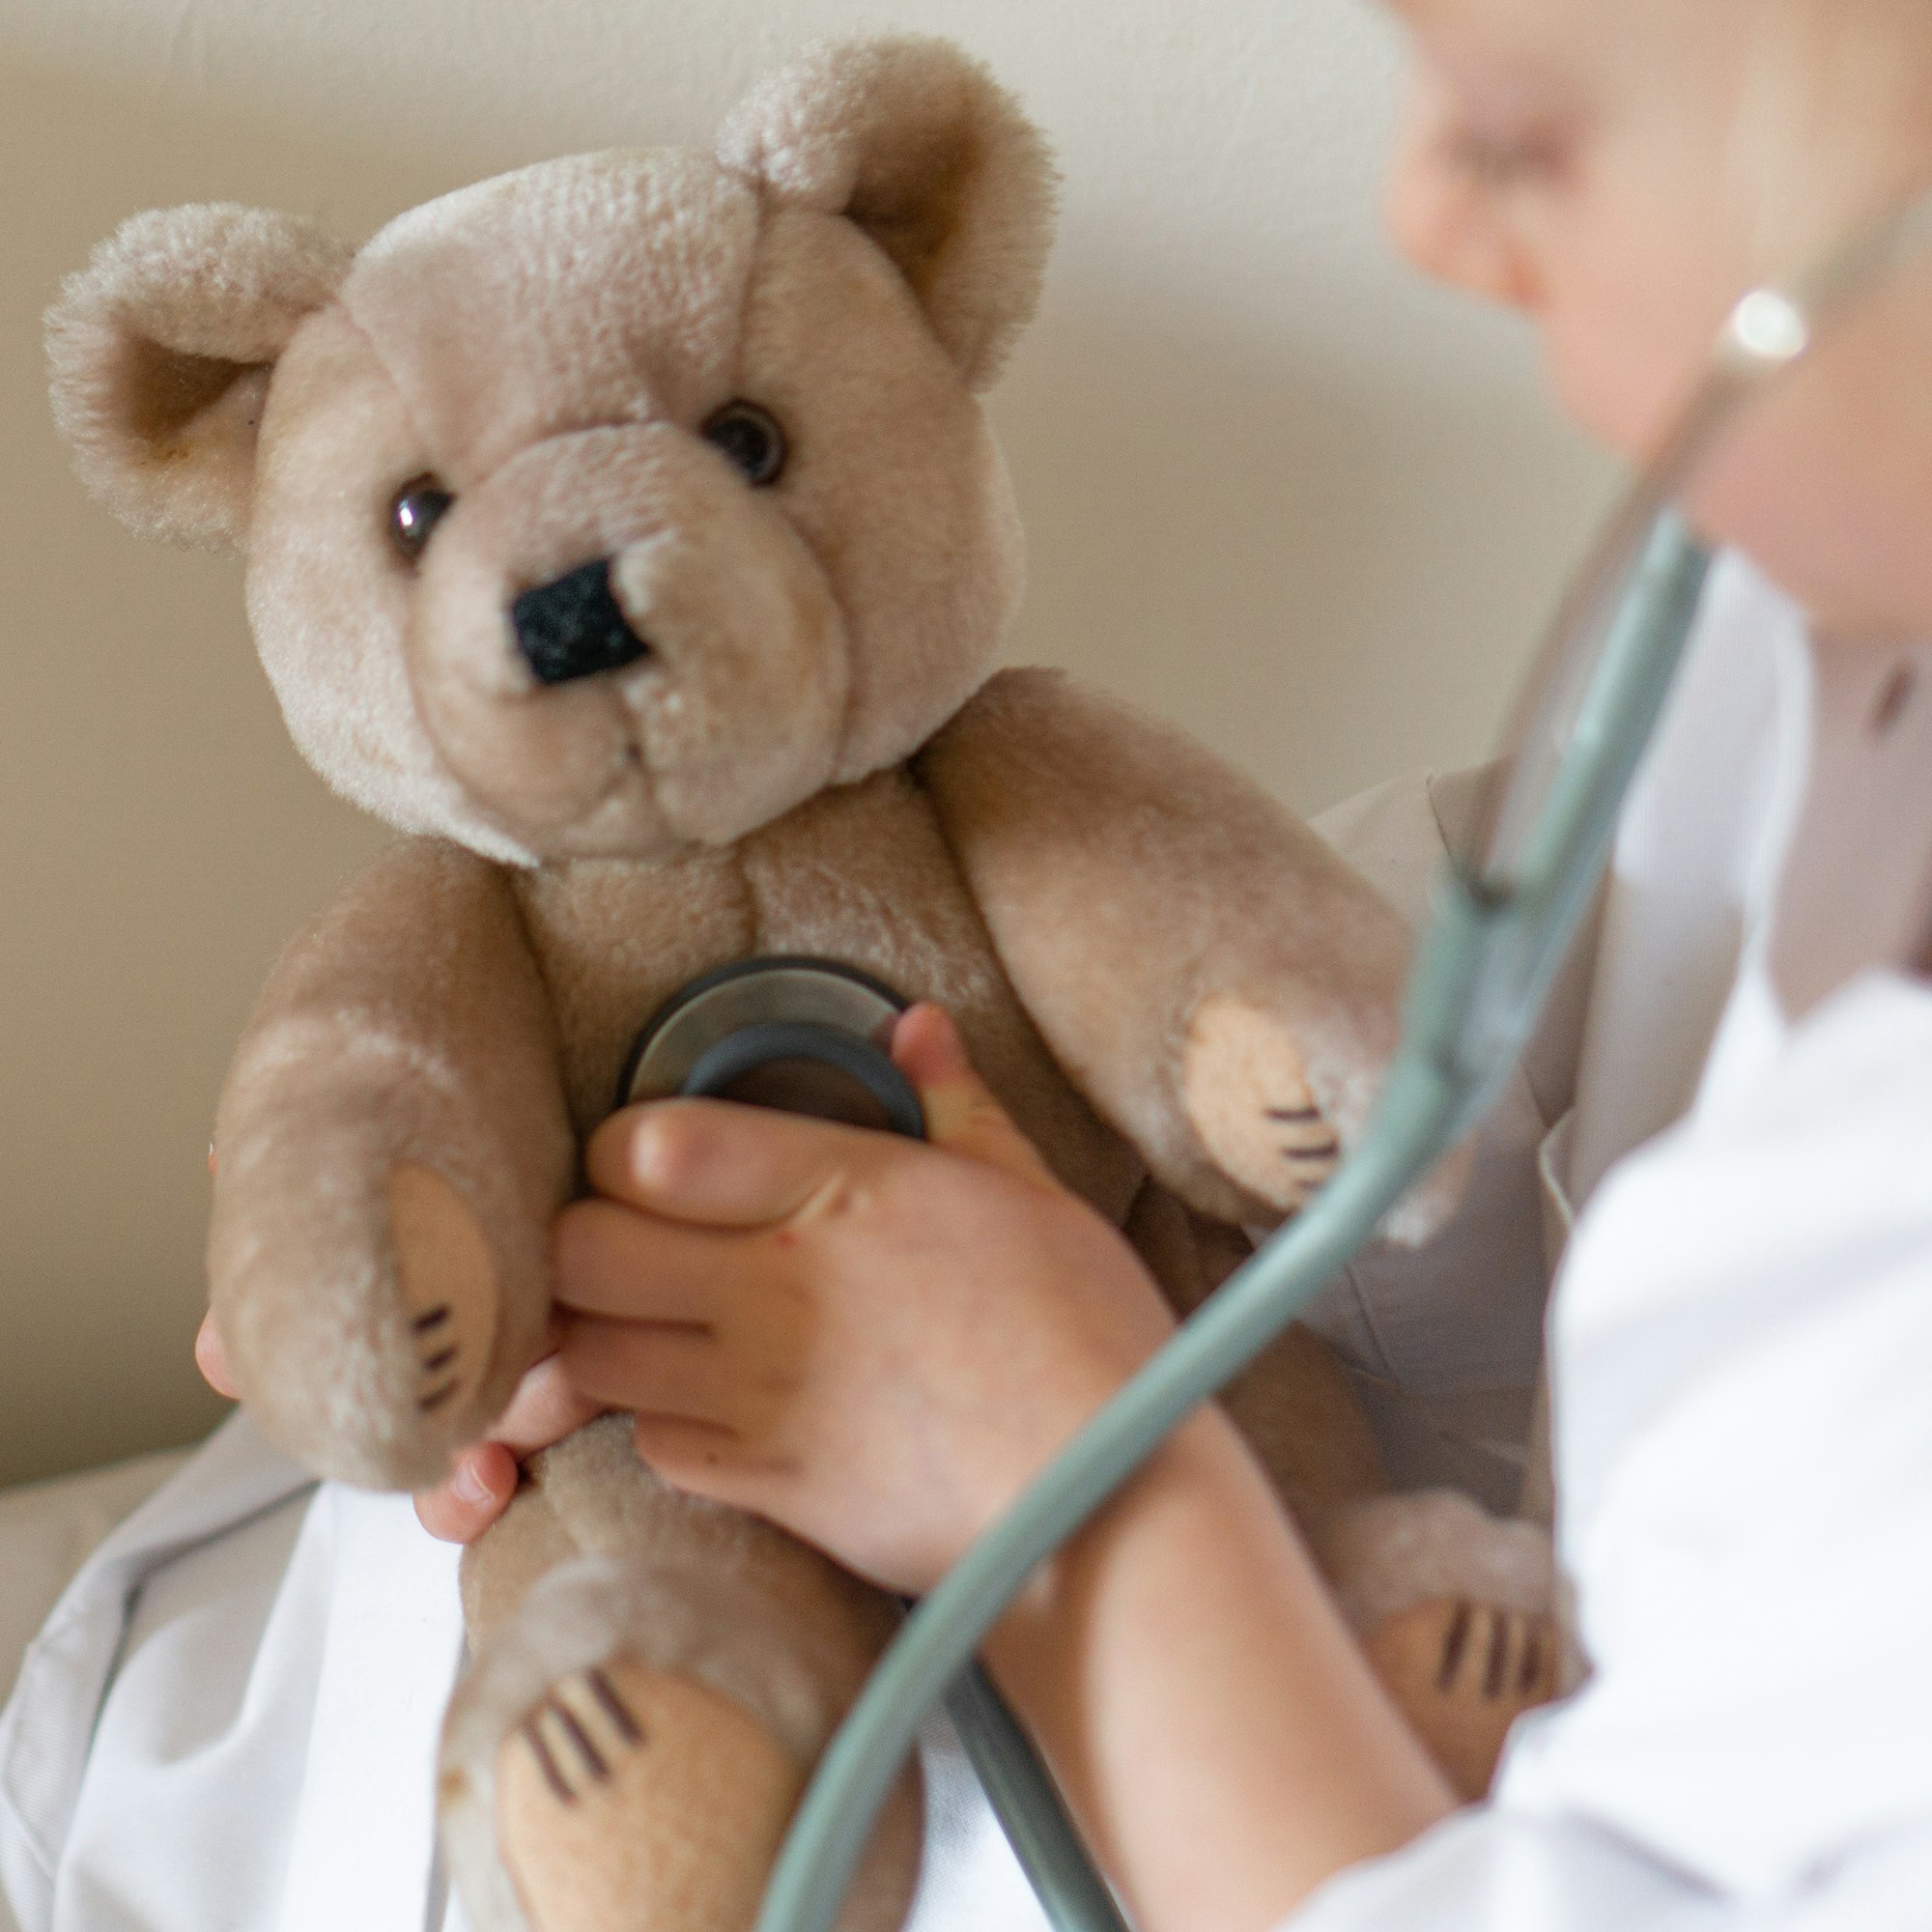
(1276, 489)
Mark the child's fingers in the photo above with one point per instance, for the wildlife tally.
(644, 1367)
(483, 1478)
(210, 1358)
(961, 1114)
(606, 1259)
(710, 1162)
(689, 1454)
(545, 1408)
(479, 1489)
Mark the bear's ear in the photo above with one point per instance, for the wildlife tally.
(160, 352)
(917, 143)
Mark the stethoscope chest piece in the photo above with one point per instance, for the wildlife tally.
(803, 1035)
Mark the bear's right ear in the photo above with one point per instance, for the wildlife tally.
(160, 352)
(913, 141)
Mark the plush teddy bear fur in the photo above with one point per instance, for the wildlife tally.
(1175, 988)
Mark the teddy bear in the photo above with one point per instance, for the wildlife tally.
(628, 533)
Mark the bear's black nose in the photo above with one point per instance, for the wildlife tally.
(572, 627)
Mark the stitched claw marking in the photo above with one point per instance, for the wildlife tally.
(582, 1758)
(533, 1736)
(1454, 1640)
(1313, 1148)
(593, 1758)
(622, 1720)
(1499, 1657)
(447, 1283)
(598, 1829)
(1312, 1161)
(1512, 1646)
(437, 1350)
(1529, 1673)
(1461, 1671)
(578, 1731)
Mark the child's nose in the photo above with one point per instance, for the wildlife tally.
(1442, 219)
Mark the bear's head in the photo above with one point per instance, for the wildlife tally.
(616, 506)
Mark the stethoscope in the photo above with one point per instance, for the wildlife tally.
(809, 1034)
(812, 1036)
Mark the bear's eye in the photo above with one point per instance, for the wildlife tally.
(414, 511)
(751, 438)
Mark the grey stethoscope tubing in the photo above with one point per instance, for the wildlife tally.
(1505, 915)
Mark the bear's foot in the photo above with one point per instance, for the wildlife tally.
(1462, 1673)
(632, 1800)
(626, 1751)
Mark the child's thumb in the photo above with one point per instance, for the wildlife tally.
(961, 1114)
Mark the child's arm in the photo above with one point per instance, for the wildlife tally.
(878, 1344)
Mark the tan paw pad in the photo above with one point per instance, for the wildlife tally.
(448, 1283)
(638, 1800)
(1462, 1673)
(1245, 1087)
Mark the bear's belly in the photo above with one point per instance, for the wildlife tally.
(862, 875)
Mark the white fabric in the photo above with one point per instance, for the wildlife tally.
(284, 1782)
(48, 1530)
(1695, 864)
(1445, 1344)
(229, 1723)
(47, 1729)
(1741, 1350)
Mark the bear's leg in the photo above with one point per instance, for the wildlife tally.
(1451, 1606)
(627, 1751)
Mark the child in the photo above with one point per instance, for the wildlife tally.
(1742, 1338)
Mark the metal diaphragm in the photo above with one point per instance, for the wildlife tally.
(803, 1035)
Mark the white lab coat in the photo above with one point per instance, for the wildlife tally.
(1739, 1342)
(229, 1719)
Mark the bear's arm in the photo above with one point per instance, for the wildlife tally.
(1222, 987)
(392, 1146)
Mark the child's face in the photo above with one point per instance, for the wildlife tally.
(1589, 164)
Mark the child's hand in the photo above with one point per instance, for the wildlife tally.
(873, 1342)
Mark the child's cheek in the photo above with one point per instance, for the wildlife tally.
(1629, 331)
(1620, 392)
(1818, 484)
(1638, 279)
